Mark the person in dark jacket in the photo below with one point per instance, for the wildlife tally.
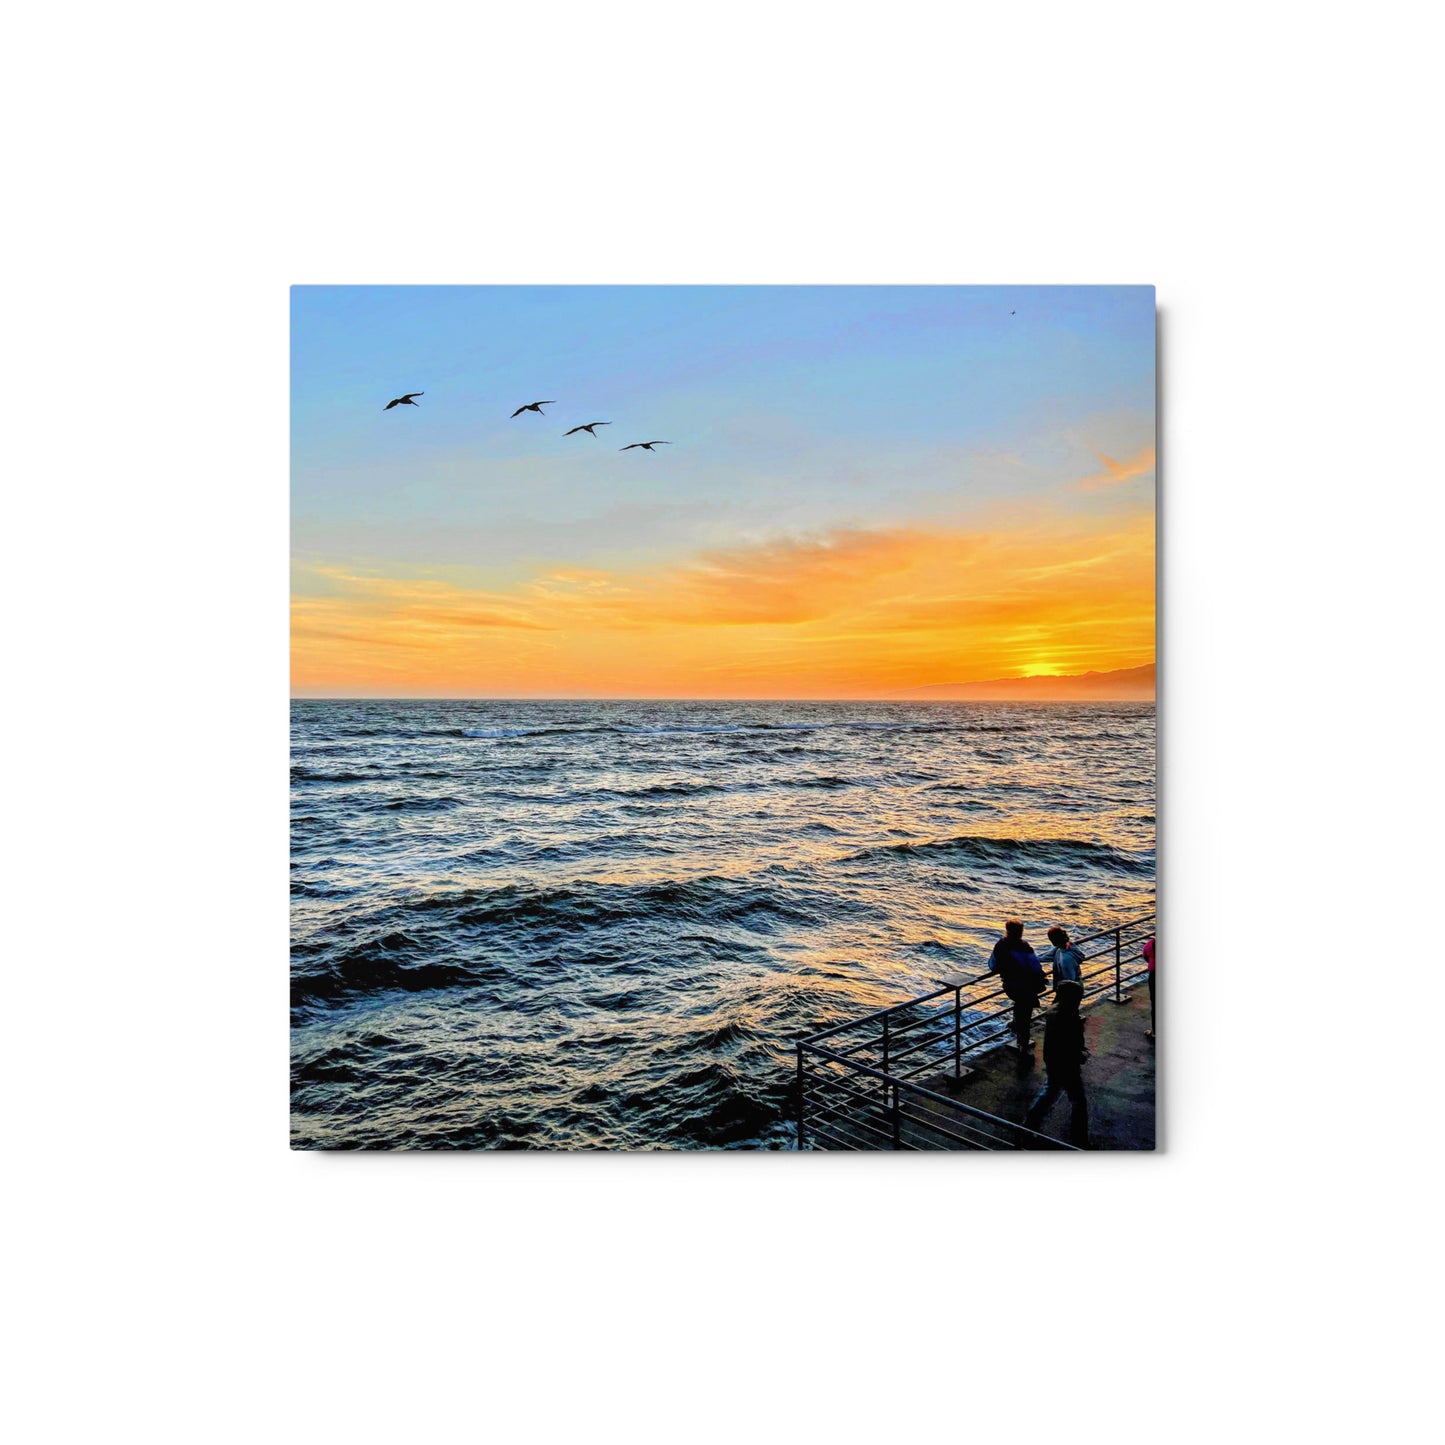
(1022, 976)
(1064, 1055)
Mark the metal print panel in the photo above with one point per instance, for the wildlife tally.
(723, 718)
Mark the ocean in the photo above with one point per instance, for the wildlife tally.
(588, 925)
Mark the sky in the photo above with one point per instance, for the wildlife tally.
(868, 489)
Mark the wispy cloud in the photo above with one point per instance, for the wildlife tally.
(842, 612)
(1115, 473)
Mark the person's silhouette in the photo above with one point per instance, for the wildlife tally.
(1022, 976)
(1064, 1055)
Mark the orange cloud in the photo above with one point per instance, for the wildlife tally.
(786, 580)
(372, 633)
(1117, 472)
(843, 614)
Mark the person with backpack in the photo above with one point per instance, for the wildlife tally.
(1064, 1055)
(1022, 976)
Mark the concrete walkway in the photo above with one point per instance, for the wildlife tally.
(1119, 1078)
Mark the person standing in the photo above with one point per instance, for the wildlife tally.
(1064, 1055)
(1066, 961)
(1022, 976)
(1149, 959)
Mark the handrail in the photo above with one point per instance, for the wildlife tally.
(943, 1030)
(988, 979)
(950, 1104)
(1117, 928)
(878, 1013)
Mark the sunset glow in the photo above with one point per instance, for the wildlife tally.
(454, 551)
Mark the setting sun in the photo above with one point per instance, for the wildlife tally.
(850, 491)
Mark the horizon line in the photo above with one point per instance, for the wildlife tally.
(593, 697)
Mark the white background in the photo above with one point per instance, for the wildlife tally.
(176, 1274)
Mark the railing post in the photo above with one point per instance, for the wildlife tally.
(801, 1086)
(1119, 966)
(885, 1058)
(895, 1116)
(958, 1033)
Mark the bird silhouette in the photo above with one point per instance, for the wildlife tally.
(403, 400)
(646, 446)
(535, 406)
(1013, 313)
(587, 427)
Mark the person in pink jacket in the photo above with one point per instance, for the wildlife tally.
(1149, 959)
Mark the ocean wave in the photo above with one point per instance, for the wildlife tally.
(619, 730)
(728, 1034)
(314, 888)
(522, 915)
(726, 729)
(600, 730)
(341, 1065)
(590, 849)
(563, 731)
(654, 791)
(700, 900)
(865, 725)
(971, 804)
(669, 790)
(719, 1106)
(711, 1105)
(733, 729)
(1024, 852)
(393, 961)
(399, 773)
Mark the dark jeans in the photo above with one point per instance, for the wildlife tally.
(1023, 1016)
(1152, 1024)
(1073, 1086)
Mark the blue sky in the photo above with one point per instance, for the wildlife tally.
(794, 413)
(794, 407)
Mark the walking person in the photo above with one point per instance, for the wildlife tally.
(1022, 976)
(1149, 959)
(1065, 961)
(1064, 1055)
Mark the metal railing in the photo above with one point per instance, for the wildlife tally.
(854, 1088)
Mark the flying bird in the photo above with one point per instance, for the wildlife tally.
(646, 446)
(403, 400)
(587, 427)
(535, 406)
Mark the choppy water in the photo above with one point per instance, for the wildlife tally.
(599, 924)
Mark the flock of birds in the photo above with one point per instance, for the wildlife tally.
(409, 399)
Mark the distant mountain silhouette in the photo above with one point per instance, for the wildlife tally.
(1129, 684)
